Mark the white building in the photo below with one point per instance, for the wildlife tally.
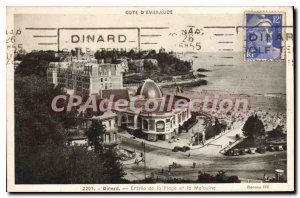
(110, 137)
(161, 124)
(84, 75)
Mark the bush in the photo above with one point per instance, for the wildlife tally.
(253, 127)
(213, 130)
(276, 133)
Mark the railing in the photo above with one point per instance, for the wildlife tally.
(228, 147)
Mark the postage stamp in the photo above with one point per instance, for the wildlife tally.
(264, 36)
(150, 99)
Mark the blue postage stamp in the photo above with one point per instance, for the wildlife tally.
(264, 36)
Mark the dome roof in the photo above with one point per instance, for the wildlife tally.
(149, 90)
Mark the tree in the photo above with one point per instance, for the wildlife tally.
(41, 153)
(205, 178)
(233, 179)
(95, 133)
(39, 132)
(253, 127)
(132, 54)
(223, 126)
(151, 54)
(149, 66)
(73, 52)
(209, 132)
(84, 166)
(19, 56)
(277, 132)
(221, 177)
(132, 67)
(218, 127)
(212, 130)
(113, 167)
(70, 118)
(36, 63)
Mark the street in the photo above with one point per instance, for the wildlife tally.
(246, 166)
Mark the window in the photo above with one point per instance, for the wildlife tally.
(106, 138)
(109, 124)
(130, 120)
(145, 124)
(160, 126)
(139, 122)
(152, 125)
(183, 115)
(123, 120)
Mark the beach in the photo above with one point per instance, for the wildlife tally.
(263, 83)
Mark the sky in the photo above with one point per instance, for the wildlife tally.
(209, 29)
(166, 31)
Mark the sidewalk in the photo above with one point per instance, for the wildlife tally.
(222, 134)
(160, 143)
(185, 142)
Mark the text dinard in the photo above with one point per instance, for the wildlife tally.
(98, 38)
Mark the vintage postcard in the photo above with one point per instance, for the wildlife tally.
(150, 99)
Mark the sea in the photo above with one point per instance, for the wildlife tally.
(263, 82)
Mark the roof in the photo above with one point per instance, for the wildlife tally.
(105, 115)
(164, 105)
(150, 90)
(117, 93)
(76, 134)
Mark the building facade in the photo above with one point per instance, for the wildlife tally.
(161, 124)
(84, 75)
(110, 137)
(108, 120)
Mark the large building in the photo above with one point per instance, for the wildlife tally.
(84, 75)
(161, 124)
